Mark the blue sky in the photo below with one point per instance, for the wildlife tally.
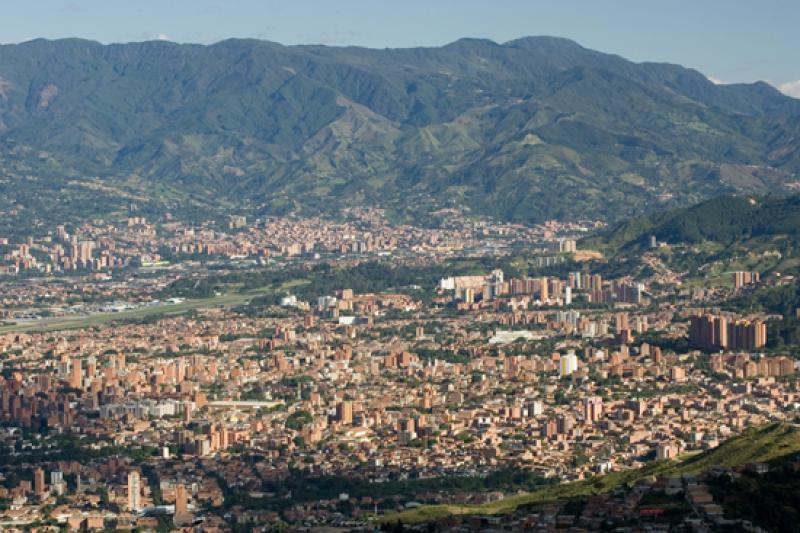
(728, 40)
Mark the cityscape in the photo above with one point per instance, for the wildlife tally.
(484, 286)
(564, 375)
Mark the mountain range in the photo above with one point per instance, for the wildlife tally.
(527, 130)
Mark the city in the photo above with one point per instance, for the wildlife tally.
(505, 266)
(563, 377)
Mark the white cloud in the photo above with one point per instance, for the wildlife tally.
(790, 88)
(714, 80)
(163, 37)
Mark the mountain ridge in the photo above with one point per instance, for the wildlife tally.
(530, 129)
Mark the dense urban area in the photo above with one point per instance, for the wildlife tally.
(163, 375)
(439, 277)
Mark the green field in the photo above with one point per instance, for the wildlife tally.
(763, 444)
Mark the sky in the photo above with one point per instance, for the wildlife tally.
(729, 41)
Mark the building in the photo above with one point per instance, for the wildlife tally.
(57, 482)
(563, 246)
(134, 491)
(621, 322)
(713, 333)
(592, 409)
(344, 412)
(742, 279)
(568, 364)
(76, 376)
(666, 451)
(677, 373)
(38, 482)
(182, 515)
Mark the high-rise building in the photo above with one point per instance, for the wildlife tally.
(747, 335)
(677, 373)
(38, 482)
(627, 292)
(564, 424)
(134, 491)
(544, 295)
(182, 515)
(556, 288)
(711, 332)
(76, 376)
(496, 276)
(720, 332)
(344, 412)
(592, 409)
(57, 482)
(469, 295)
(568, 364)
(741, 279)
(562, 245)
(181, 503)
(86, 250)
(621, 322)
(535, 408)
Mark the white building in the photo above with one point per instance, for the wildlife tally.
(447, 284)
(289, 301)
(325, 302)
(134, 491)
(568, 364)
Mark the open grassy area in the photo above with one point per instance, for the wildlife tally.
(762, 444)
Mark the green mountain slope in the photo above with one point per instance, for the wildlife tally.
(726, 220)
(769, 443)
(527, 130)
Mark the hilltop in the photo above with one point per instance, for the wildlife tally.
(527, 130)
(727, 221)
